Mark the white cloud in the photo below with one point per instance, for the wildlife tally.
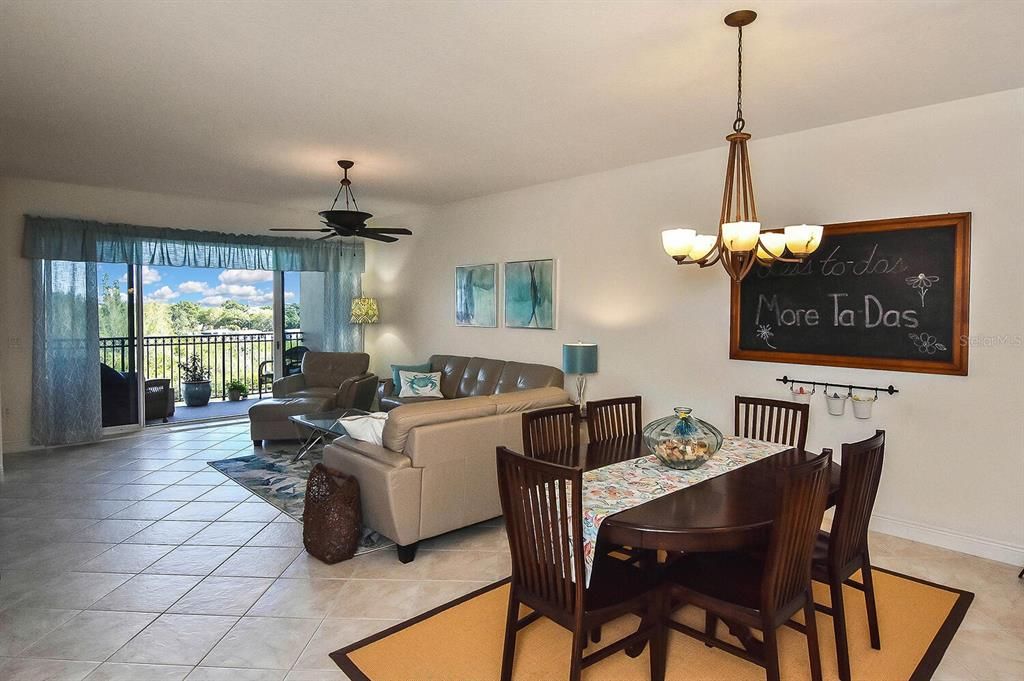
(149, 276)
(213, 300)
(289, 295)
(238, 291)
(162, 295)
(245, 276)
(262, 299)
(193, 287)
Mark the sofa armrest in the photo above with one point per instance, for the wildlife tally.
(371, 451)
(356, 392)
(289, 384)
(386, 388)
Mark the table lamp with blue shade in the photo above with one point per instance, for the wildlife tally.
(581, 359)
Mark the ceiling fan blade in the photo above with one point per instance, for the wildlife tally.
(377, 237)
(389, 230)
(327, 236)
(283, 229)
(338, 229)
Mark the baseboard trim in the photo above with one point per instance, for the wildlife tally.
(947, 539)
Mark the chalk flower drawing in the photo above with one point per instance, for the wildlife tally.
(922, 282)
(764, 332)
(926, 343)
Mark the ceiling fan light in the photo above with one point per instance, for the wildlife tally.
(703, 244)
(740, 237)
(678, 242)
(802, 240)
(773, 245)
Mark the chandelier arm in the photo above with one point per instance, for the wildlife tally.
(750, 184)
(737, 150)
(744, 180)
(748, 264)
(337, 196)
(727, 194)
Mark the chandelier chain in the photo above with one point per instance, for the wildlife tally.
(738, 124)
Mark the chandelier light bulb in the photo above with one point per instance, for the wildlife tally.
(773, 245)
(703, 244)
(678, 242)
(802, 240)
(740, 237)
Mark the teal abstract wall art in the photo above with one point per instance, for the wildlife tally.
(530, 294)
(476, 295)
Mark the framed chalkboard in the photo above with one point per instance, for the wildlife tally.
(881, 294)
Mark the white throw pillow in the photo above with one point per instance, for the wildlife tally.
(419, 384)
(367, 428)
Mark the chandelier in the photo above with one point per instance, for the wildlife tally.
(740, 242)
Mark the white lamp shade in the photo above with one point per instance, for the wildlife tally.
(677, 242)
(773, 245)
(703, 244)
(740, 236)
(803, 239)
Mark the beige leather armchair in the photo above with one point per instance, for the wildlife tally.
(339, 379)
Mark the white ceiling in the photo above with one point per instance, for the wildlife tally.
(438, 101)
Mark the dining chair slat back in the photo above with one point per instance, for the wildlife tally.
(801, 506)
(770, 420)
(847, 549)
(536, 500)
(552, 434)
(613, 418)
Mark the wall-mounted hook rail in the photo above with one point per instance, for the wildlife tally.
(786, 380)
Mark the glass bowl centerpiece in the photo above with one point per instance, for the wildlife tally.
(682, 441)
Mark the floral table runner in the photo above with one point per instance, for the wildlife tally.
(623, 485)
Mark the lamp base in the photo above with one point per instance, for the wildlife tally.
(581, 389)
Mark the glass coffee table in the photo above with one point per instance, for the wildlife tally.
(322, 425)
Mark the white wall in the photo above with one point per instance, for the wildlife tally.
(954, 471)
(18, 197)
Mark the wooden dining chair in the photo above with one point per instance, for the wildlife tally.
(544, 520)
(553, 434)
(843, 551)
(617, 417)
(778, 421)
(750, 591)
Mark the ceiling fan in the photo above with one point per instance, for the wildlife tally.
(349, 221)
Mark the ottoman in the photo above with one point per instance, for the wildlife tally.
(268, 419)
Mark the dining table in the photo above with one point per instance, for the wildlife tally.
(730, 511)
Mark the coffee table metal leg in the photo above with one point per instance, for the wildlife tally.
(315, 438)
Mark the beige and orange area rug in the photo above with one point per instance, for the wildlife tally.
(462, 640)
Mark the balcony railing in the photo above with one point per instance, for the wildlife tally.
(229, 357)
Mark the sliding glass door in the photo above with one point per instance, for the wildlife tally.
(119, 346)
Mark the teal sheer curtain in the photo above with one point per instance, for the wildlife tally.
(89, 241)
(340, 335)
(65, 353)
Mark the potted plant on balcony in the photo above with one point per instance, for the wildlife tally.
(196, 380)
(237, 390)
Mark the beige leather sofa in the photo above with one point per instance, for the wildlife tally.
(328, 380)
(435, 471)
(474, 376)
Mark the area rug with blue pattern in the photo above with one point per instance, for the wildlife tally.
(281, 482)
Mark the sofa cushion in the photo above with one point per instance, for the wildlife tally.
(522, 376)
(389, 402)
(480, 377)
(526, 400)
(408, 416)
(395, 368)
(452, 367)
(329, 369)
(318, 392)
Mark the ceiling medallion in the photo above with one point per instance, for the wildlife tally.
(740, 242)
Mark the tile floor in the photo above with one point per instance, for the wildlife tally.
(131, 559)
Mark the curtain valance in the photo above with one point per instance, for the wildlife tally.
(90, 241)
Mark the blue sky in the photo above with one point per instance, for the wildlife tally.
(206, 286)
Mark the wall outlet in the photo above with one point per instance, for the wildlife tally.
(14, 342)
